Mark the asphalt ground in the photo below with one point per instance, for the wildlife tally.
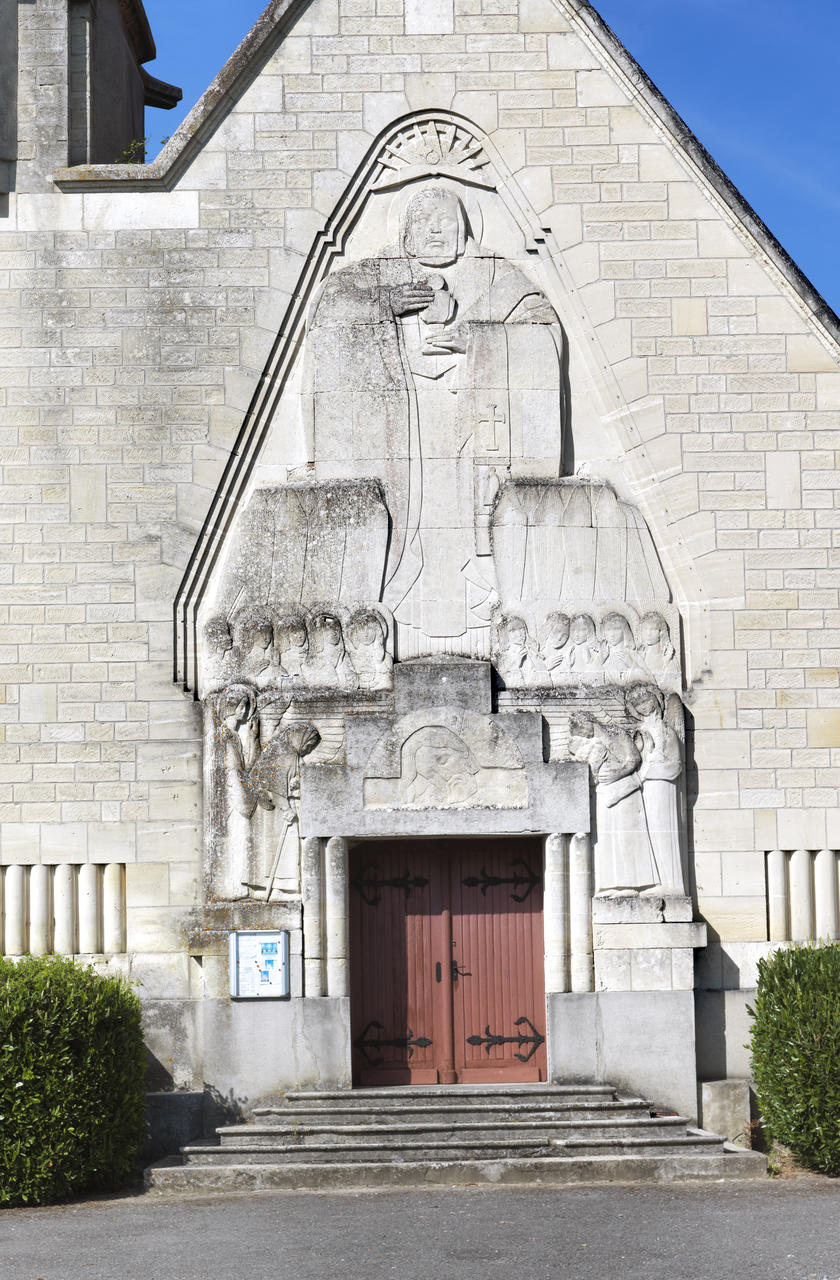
(773, 1230)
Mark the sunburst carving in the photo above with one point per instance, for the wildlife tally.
(433, 148)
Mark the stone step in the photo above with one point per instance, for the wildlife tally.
(676, 1165)
(441, 1135)
(465, 1094)
(450, 1111)
(534, 1130)
(427, 1148)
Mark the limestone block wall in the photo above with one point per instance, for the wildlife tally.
(140, 308)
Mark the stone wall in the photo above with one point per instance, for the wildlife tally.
(136, 325)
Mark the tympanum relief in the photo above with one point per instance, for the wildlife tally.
(429, 518)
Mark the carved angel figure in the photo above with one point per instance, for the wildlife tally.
(655, 649)
(554, 647)
(328, 663)
(518, 658)
(621, 663)
(255, 634)
(291, 646)
(367, 635)
(623, 851)
(584, 650)
(219, 648)
(236, 729)
(660, 741)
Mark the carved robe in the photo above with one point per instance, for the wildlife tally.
(384, 397)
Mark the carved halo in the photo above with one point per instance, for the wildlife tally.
(433, 148)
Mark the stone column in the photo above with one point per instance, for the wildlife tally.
(39, 910)
(113, 909)
(89, 909)
(64, 910)
(777, 895)
(556, 913)
(313, 931)
(825, 894)
(338, 974)
(801, 896)
(15, 903)
(580, 913)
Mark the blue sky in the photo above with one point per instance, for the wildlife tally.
(756, 80)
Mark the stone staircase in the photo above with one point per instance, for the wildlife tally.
(448, 1135)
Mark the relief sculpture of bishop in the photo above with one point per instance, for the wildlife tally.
(433, 517)
(432, 367)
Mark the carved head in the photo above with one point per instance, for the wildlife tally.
(326, 630)
(436, 228)
(255, 628)
(616, 631)
(366, 628)
(556, 630)
(512, 632)
(217, 634)
(581, 725)
(582, 628)
(654, 630)
(291, 632)
(643, 700)
(438, 766)
(239, 702)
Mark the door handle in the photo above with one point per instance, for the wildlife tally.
(459, 973)
(438, 973)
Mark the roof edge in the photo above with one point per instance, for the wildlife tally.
(708, 166)
(187, 140)
(135, 21)
(274, 23)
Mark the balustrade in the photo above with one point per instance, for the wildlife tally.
(63, 910)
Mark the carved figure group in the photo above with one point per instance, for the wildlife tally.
(257, 767)
(637, 778)
(320, 648)
(572, 648)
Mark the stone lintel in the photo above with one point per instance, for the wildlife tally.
(332, 804)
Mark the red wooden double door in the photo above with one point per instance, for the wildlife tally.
(446, 961)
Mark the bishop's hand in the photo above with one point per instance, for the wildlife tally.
(406, 298)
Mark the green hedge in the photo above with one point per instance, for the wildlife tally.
(795, 1041)
(72, 1081)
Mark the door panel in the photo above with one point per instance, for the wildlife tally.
(497, 931)
(395, 923)
(446, 960)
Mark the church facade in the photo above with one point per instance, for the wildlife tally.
(419, 490)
